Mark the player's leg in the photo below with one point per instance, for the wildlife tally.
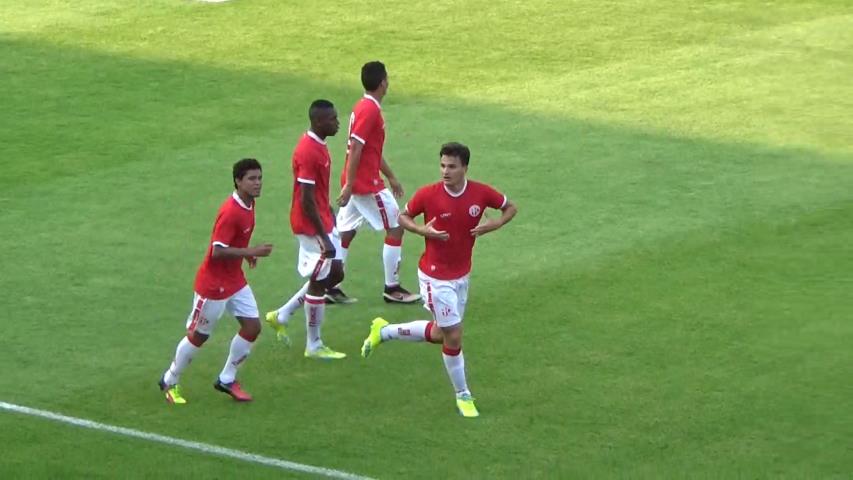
(347, 221)
(279, 318)
(446, 298)
(381, 211)
(245, 309)
(325, 271)
(203, 316)
(415, 331)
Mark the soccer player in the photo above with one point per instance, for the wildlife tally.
(452, 209)
(220, 285)
(363, 193)
(312, 221)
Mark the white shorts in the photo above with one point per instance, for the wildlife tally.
(379, 209)
(446, 299)
(206, 312)
(311, 263)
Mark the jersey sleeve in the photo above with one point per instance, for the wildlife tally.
(306, 168)
(494, 198)
(224, 230)
(416, 204)
(363, 123)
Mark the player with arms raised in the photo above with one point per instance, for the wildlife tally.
(452, 209)
(220, 285)
(312, 221)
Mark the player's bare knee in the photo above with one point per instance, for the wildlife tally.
(452, 336)
(250, 328)
(197, 338)
(395, 232)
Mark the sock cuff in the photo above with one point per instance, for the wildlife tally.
(311, 299)
(393, 242)
(451, 351)
(193, 341)
(428, 333)
(245, 336)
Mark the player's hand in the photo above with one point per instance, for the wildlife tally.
(328, 248)
(263, 250)
(252, 261)
(429, 231)
(345, 195)
(490, 225)
(396, 187)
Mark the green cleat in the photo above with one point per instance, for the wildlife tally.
(280, 329)
(374, 338)
(465, 405)
(172, 392)
(324, 353)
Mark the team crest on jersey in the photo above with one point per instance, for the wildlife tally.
(474, 210)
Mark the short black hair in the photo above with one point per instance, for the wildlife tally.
(372, 74)
(243, 166)
(456, 149)
(318, 106)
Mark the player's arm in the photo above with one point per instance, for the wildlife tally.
(426, 230)
(353, 159)
(396, 186)
(221, 251)
(508, 210)
(309, 208)
(224, 233)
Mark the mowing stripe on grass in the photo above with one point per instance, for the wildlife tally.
(201, 447)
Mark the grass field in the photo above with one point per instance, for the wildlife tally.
(674, 299)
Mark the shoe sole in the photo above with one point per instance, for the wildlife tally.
(331, 301)
(392, 299)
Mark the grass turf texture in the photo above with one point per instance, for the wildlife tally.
(674, 297)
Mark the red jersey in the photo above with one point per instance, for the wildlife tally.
(311, 166)
(367, 127)
(219, 278)
(456, 214)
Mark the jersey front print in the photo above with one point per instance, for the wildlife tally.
(455, 214)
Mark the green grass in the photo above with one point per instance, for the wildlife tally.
(672, 300)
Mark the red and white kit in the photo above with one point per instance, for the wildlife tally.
(312, 166)
(220, 284)
(370, 200)
(445, 264)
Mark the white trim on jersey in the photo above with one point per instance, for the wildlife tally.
(455, 195)
(220, 244)
(305, 180)
(359, 139)
(503, 204)
(367, 95)
(239, 201)
(315, 137)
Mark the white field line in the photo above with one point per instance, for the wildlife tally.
(198, 446)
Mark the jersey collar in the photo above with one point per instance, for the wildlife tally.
(240, 201)
(372, 99)
(315, 137)
(456, 195)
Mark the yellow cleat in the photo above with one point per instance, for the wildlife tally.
(374, 338)
(324, 353)
(465, 405)
(172, 392)
(280, 328)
